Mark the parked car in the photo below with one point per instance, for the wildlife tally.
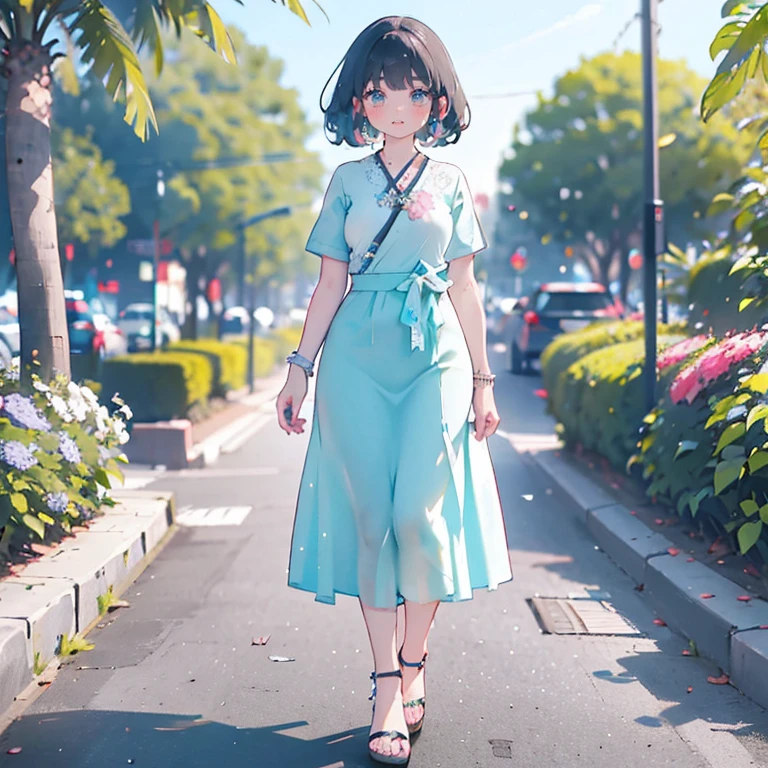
(135, 321)
(552, 309)
(86, 342)
(235, 321)
(10, 337)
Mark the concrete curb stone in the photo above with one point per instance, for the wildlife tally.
(723, 628)
(58, 594)
(15, 671)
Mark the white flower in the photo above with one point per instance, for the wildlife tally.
(90, 397)
(79, 408)
(123, 438)
(102, 418)
(126, 411)
(60, 406)
(40, 387)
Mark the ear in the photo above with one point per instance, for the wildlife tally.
(443, 105)
(357, 105)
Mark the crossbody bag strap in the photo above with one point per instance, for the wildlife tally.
(384, 231)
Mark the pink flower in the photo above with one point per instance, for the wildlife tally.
(714, 363)
(680, 351)
(421, 203)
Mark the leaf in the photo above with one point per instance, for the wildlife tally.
(34, 524)
(106, 45)
(763, 515)
(667, 140)
(723, 88)
(47, 519)
(755, 414)
(212, 29)
(102, 478)
(749, 507)
(730, 434)
(758, 383)
(757, 461)
(685, 446)
(720, 204)
(726, 472)
(744, 303)
(19, 502)
(741, 263)
(748, 535)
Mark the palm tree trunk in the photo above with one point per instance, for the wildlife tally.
(42, 312)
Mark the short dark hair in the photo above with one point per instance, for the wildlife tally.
(395, 48)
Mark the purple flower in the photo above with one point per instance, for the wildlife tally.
(17, 455)
(57, 502)
(69, 449)
(23, 413)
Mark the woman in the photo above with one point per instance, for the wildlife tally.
(398, 501)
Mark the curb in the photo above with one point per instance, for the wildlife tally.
(59, 594)
(725, 630)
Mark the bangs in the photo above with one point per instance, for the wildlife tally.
(396, 59)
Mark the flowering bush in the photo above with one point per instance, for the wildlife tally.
(681, 351)
(58, 447)
(715, 362)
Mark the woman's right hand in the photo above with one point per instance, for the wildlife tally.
(292, 394)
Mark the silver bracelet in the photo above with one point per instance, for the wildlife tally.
(305, 364)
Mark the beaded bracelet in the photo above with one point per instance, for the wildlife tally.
(483, 379)
(302, 362)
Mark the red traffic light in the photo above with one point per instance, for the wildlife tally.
(518, 261)
(69, 251)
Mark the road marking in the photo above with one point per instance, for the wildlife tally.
(197, 517)
(139, 477)
(208, 473)
(237, 442)
(531, 443)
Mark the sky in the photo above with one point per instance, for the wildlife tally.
(497, 46)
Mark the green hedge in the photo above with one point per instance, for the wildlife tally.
(159, 386)
(714, 297)
(229, 362)
(598, 400)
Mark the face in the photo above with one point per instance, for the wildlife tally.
(398, 112)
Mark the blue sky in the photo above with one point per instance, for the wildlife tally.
(498, 46)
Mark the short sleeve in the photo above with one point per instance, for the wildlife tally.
(327, 236)
(468, 237)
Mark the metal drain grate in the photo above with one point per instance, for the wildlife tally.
(558, 616)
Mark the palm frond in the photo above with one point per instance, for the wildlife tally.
(107, 46)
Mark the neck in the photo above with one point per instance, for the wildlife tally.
(397, 152)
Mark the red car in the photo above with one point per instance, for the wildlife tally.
(554, 308)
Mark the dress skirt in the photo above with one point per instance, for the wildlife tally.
(398, 500)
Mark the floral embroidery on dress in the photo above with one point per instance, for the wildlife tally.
(373, 172)
(441, 179)
(419, 205)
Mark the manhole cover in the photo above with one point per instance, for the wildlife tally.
(558, 616)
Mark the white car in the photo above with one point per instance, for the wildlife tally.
(135, 321)
(10, 338)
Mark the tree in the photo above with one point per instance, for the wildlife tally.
(576, 166)
(106, 35)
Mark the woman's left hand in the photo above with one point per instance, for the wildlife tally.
(486, 415)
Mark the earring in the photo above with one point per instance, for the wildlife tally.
(365, 132)
(435, 127)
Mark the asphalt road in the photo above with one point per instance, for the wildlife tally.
(175, 681)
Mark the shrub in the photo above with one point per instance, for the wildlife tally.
(58, 447)
(228, 362)
(599, 400)
(715, 295)
(160, 386)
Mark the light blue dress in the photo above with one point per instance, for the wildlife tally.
(398, 500)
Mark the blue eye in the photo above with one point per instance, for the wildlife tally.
(420, 97)
(376, 97)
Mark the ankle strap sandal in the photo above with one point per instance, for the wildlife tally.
(391, 735)
(414, 728)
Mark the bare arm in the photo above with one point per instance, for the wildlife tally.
(466, 300)
(465, 296)
(323, 306)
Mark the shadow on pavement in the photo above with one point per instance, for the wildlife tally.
(94, 739)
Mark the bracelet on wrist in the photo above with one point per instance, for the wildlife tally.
(483, 379)
(302, 362)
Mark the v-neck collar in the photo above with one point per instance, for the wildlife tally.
(393, 180)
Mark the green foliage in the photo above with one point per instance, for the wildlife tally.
(228, 362)
(38, 667)
(58, 449)
(69, 646)
(575, 166)
(599, 399)
(715, 295)
(106, 600)
(160, 386)
(90, 199)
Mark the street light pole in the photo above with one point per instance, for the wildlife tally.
(156, 258)
(250, 279)
(653, 208)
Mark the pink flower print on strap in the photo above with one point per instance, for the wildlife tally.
(420, 205)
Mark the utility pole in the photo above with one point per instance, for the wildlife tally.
(157, 255)
(653, 209)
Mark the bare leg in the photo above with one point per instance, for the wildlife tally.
(388, 714)
(418, 622)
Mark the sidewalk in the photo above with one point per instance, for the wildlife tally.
(726, 621)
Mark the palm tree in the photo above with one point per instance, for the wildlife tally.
(108, 36)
